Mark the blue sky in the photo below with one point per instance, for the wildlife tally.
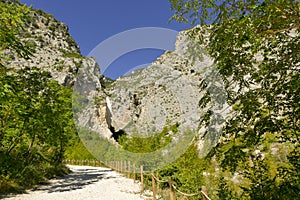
(93, 21)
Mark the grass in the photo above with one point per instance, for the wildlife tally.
(19, 185)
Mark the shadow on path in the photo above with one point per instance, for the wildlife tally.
(78, 179)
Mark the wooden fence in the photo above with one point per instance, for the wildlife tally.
(130, 170)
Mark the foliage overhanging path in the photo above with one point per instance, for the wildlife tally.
(255, 45)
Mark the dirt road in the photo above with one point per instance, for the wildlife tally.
(86, 183)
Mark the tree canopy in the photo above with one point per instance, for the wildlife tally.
(35, 112)
(255, 45)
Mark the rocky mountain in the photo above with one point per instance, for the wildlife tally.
(180, 87)
(54, 49)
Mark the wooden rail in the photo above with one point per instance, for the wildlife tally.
(94, 163)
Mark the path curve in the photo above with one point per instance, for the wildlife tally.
(86, 183)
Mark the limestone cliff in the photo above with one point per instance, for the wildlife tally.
(53, 48)
(173, 89)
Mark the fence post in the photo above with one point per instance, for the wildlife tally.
(125, 167)
(129, 170)
(142, 178)
(121, 166)
(204, 192)
(134, 173)
(153, 186)
(172, 194)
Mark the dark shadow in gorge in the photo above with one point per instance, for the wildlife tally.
(116, 134)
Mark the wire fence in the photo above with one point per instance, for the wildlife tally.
(131, 170)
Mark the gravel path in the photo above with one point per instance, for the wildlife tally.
(86, 183)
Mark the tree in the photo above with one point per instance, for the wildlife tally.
(255, 45)
(13, 19)
(36, 120)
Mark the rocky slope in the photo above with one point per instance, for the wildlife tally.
(172, 90)
(54, 50)
(166, 92)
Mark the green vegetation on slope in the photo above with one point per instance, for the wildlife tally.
(77, 151)
(152, 143)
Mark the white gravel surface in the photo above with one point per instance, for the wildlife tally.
(86, 183)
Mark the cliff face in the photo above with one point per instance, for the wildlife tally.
(180, 87)
(165, 93)
(172, 90)
(53, 48)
